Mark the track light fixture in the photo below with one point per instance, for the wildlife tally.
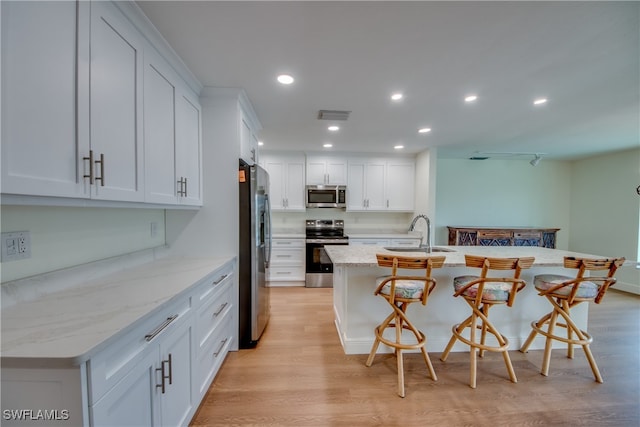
(479, 155)
(536, 160)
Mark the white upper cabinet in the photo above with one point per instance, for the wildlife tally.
(159, 131)
(286, 181)
(40, 150)
(400, 186)
(188, 149)
(366, 184)
(249, 128)
(92, 110)
(115, 105)
(381, 184)
(326, 170)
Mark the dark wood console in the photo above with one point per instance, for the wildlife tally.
(503, 236)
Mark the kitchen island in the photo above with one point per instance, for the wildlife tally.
(357, 311)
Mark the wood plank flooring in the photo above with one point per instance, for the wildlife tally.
(299, 376)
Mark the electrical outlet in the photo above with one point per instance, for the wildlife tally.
(16, 245)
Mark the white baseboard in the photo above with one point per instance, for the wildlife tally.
(627, 287)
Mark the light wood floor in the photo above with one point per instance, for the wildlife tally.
(299, 376)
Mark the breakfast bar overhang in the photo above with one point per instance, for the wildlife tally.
(357, 311)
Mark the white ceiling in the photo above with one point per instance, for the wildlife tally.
(582, 56)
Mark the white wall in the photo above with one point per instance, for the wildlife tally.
(354, 222)
(63, 237)
(605, 210)
(503, 193)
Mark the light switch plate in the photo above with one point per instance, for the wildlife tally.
(16, 245)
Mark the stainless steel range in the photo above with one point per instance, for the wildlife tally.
(319, 233)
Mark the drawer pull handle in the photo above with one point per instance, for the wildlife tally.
(283, 256)
(224, 341)
(151, 335)
(283, 272)
(219, 280)
(222, 307)
(101, 163)
(90, 159)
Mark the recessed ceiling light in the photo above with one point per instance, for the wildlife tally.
(327, 145)
(260, 143)
(398, 147)
(396, 96)
(333, 128)
(285, 79)
(540, 101)
(424, 130)
(470, 98)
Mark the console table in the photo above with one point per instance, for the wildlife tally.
(503, 236)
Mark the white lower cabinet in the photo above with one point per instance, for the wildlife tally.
(368, 241)
(155, 373)
(287, 265)
(157, 388)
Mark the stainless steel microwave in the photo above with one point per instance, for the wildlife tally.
(326, 196)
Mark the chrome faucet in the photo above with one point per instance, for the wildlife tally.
(428, 221)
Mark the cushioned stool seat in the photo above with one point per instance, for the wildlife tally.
(404, 288)
(544, 282)
(491, 291)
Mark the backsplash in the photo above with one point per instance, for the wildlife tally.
(63, 237)
(363, 222)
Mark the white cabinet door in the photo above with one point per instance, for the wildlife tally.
(294, 185)
(286, 181)
(176, 354)
(326, 170)
(366, 179)
(116, 105)
(159, 131)
(248, 143)
(188, 149)
(375, 178)
(39, 143)
(132, 401)
(400, 185)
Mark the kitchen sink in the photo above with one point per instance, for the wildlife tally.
(407, 249)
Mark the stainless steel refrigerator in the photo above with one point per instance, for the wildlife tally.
(254, 253)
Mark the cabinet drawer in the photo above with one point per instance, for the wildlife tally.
(288, 243)
(211, 313)
(213, 353)
(370, 242)
(288, 257)
(112, 364)
(212, 283)
(290, 273)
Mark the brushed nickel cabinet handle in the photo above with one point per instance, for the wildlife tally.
(222, 307)
(219, 280)
(186, 191)
(151, 335)
(224, 341)
(90, 159)
(161, 386)
(101, 162)
(170, 362)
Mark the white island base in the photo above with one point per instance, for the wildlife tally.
(358, 311)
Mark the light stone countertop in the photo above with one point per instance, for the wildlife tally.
(71, 325)
(365, 256)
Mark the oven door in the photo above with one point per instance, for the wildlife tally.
(319, 268)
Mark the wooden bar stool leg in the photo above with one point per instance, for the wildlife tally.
(473, 349)
(534, 332)
(399, 356)
(549, 343)
(570, 352)
(483, 336)
(456, 329)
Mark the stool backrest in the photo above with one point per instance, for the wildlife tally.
(610, 265)
(488, 263)
(395, 262)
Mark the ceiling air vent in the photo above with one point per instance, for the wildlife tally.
(333, 115)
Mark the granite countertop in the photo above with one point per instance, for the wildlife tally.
(70, 325)
(365, 256)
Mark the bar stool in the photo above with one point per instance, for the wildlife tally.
(564, 293)
(481, 293)
(400, 291)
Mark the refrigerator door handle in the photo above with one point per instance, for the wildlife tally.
(267, 203)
